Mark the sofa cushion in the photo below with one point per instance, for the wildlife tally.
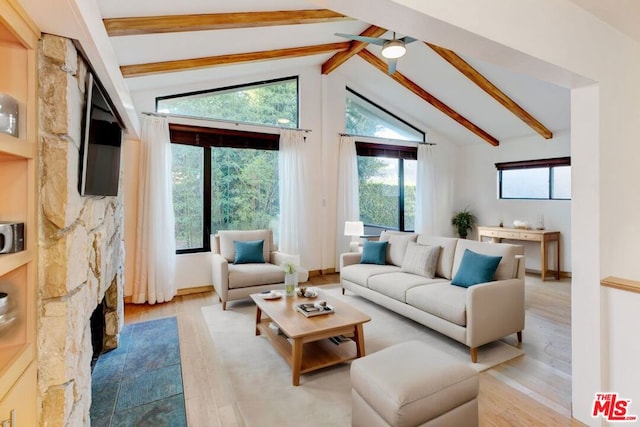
(396, 284)
(440, 299)
(244, 275)
(373, 253)
(226, 238)
(248, 251)
(397, 245)
(475, 268)
(445, 261)
(507, 269)
(360, 273)
(421, 259)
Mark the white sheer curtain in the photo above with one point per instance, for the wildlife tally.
(155, 254)
(291, 178)
(348, 206)
(425, 192)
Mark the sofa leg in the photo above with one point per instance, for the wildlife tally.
(519, 333)
(342, 291)
(224, 305)
(474, 354)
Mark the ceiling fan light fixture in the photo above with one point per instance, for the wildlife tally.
(393, 49)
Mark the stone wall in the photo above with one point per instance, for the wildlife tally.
(81, 249)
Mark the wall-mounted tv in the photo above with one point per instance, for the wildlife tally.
(100, 147)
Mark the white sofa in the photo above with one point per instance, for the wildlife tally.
(237, 281)
(474, 316)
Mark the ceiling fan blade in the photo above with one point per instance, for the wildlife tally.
(392, 65)
(407, 39)
(372, 40)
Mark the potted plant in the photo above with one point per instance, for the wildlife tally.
(463, 221)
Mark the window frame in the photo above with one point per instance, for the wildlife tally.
(550, 164)
(240, 86)
(400, 153)
(214, 137)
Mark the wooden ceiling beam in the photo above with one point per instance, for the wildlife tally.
(137, 70)
(413, 87)
(217, 21)
(475, 76)
(356, 46)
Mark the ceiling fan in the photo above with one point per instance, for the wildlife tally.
(392, 49)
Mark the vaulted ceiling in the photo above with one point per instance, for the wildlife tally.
(162, 45)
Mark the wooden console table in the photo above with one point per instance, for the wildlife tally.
(543, 236)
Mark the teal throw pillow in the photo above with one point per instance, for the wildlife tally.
(475, 268)
(248, 251)
(374, 253)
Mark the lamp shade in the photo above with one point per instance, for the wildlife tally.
(353, 228)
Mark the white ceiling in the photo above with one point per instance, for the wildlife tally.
(546, 102)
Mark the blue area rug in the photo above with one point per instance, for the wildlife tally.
(140, 382)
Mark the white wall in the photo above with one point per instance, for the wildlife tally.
(477, 189)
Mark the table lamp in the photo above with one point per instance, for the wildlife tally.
(355, 229)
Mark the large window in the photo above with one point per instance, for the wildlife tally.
(535, 179)
(387, 181)
(386, 173)
(273, 103)
(222, 180)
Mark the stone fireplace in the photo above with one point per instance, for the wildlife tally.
(81, 249)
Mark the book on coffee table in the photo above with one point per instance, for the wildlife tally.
(311, 309)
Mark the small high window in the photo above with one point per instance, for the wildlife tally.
(364, 118)
(272, 103)
(543, 179)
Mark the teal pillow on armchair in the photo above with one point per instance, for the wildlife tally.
(374, 253)
(475, 268)
(248, 251)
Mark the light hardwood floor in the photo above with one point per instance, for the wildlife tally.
(532, 390)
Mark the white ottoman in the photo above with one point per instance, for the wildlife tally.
(412, 384)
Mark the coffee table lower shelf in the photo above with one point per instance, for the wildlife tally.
(312, 352)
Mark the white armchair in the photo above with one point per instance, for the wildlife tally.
(237, 281)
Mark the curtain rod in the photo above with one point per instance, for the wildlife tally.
(387, 139)
(234, 122)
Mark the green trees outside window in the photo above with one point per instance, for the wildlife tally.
(268, 103)
(228, 180)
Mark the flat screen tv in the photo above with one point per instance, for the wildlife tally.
(100, 148)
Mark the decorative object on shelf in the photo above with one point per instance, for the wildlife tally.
(290, 278)
(8, 115)
(464, 221)
(4, 303)
(522, 225)
(540, 222)
(501, 222)
(354, 229)
(11, 237)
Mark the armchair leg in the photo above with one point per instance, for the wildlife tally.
(519, 333)
(342, 291)
(219, 299)
(474, 354)
(224, 305)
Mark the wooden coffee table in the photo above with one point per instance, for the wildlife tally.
(304, 341)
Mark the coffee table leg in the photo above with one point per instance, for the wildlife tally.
(358, 336)
(258, 318)
(296, 361)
